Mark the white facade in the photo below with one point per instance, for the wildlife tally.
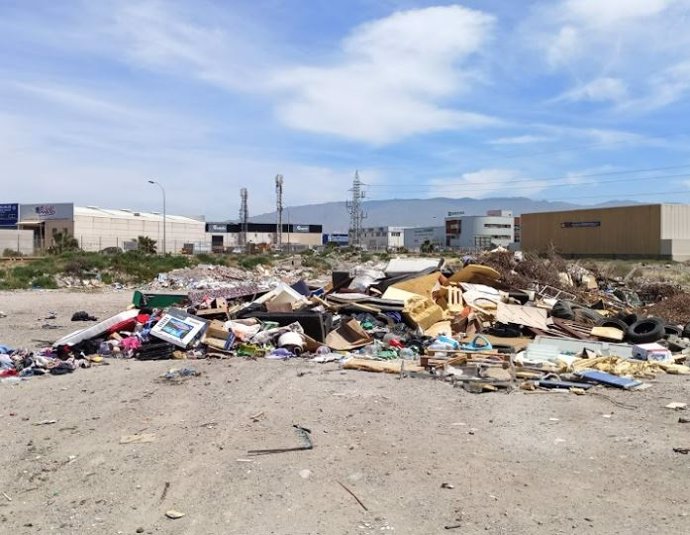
(481, 232)
(415, 237)
(383, 238)
(97, 228)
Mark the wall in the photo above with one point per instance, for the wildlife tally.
(415, 237)
(95, 233)
(619, 231)
(17, 240)
(232, 239)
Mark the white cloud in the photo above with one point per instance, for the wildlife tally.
(598, 90)
(566, 44)
(519, 140)
(488, 183)
(161, 36)
(607, 12)
(624, 50)
(667, 87)
(393, 78)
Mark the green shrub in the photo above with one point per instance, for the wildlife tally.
(315, 262)
(12, 253)
(44, 281)
(250, 262)
(212, 259)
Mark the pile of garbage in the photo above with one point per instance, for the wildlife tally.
(476, 327)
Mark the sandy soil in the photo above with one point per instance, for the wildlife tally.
(519, 463)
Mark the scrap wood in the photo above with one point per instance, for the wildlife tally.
(354, 496)
(388, 366)
(143, 438)
(522, 315)
(302, 432)
(330, 306)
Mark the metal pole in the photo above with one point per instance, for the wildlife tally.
(164, 213)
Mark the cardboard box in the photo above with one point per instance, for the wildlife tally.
(652, 352)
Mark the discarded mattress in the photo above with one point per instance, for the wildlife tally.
(96, 330)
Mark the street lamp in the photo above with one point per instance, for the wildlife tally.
(163, 192)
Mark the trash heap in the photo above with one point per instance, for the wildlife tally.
(498, 322)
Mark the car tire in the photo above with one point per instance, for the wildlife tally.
(562, 310)
(613, 322)
(628, 319)
(646, 330)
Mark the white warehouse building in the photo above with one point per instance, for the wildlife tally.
(495, 228)
(382, 238)
(97, 228)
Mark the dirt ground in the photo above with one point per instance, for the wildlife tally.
(519, 463)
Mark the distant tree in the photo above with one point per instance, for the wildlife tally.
(427, 247)
(63, 243)
(12, 252)
(146, 245)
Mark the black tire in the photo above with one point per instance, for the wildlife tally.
(672, 330)
(686, 331)
(519, 296)
(588, 315)
(613, 322)
(646, 330)
(628, 319)
(503, 330)
(562, 310)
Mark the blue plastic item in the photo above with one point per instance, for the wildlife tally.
(443, 339)
(608, 379)
(474, 346)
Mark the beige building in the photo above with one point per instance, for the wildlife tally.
(99, 228)
(642, 231)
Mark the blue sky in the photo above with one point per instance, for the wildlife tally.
(577, 100)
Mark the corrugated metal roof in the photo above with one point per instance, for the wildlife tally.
(92, 211)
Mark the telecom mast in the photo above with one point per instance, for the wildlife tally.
(279, 211)
(244, 216)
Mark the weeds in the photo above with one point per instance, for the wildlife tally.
(250, 262)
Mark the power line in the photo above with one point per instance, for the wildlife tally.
(357, 214)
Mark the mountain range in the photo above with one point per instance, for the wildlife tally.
(415, 212)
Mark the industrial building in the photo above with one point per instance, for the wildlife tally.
(496, 228)
(415, 237)
(96, 228)
(382, 238)
(338, 239)
(225, 236)
(639, 231)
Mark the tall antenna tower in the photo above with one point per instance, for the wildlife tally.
(356, 211)
(244, 216)
(279, 211)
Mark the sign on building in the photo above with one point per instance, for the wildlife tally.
(46, 212)
(9, 215)
(301, 228)
(580, 224)
(214, 227)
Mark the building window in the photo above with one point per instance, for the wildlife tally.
(395, 234)
(495, 225)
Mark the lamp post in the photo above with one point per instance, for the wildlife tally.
(164, 225)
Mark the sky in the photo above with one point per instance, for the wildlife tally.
(570, 100)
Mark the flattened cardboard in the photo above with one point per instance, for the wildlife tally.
(348, 336)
